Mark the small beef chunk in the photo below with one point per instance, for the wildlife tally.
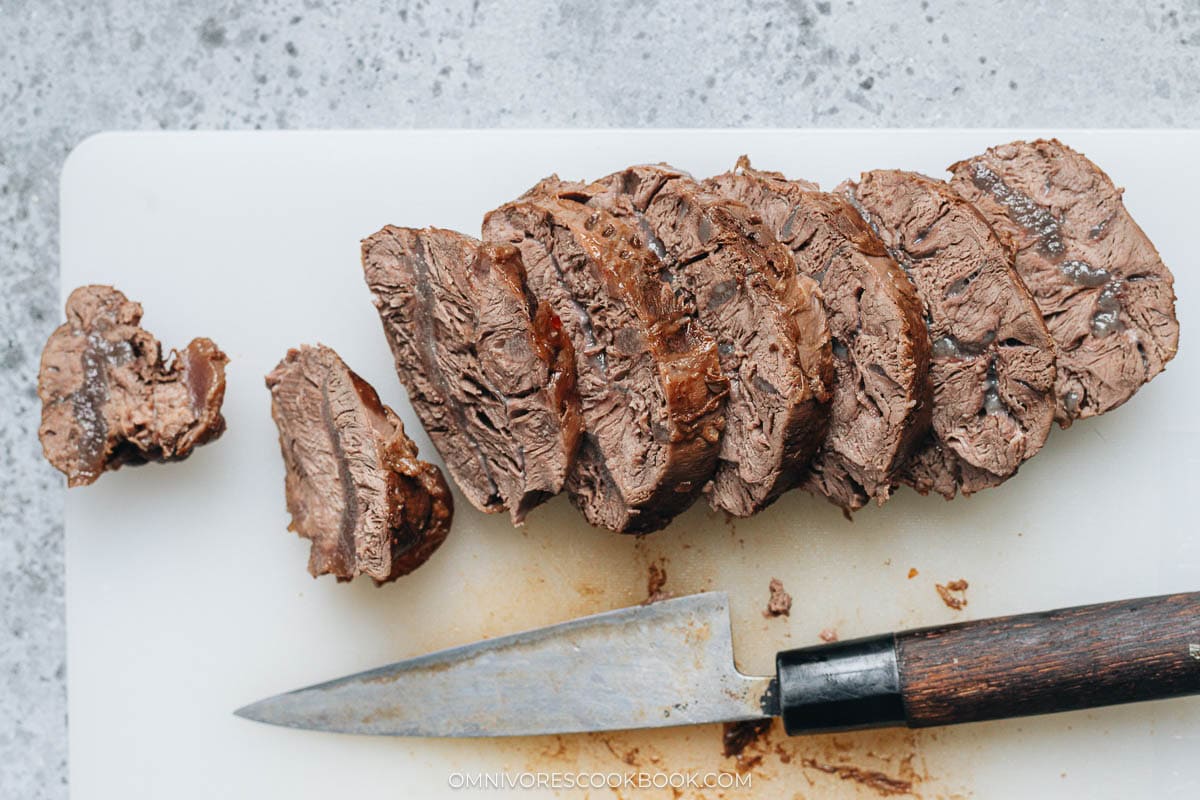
(992, 359)
(649, 378)
(656, 579)
(954, 593)
(882, 398)
(768, 321)
(779, 604)
(488, 368)
(354, 484)
(1107, 297)
(110, 398)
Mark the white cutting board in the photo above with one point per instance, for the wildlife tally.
(187, 597)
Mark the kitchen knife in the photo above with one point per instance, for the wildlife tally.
(671, 663)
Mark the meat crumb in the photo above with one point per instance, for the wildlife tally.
(656, 579)
(912, 573)
(954, 593)
(780, 602)
(737, 736)
(828, 635)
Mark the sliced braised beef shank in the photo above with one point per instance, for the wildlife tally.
(109, 397)
(649, 379)
(1105, 293)
(992, 358)
(882, 395)
(768, 322)
(488, 368)
(355, 486)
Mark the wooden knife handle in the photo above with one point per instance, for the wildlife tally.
(1073, 658)
(1061, 660)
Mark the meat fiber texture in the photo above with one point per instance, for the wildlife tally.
(882, 398)
(649, 378)
(768, 321)
(488, 368)
(109, 397)
(1107, 297)
(355, 487)
(992, 358)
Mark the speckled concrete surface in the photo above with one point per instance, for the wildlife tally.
(70, 69)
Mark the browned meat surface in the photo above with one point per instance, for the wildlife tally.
(355, 486)
(488, 368)
(768, 322)
(649, 379)
(992, 363)
(1105, 293)
(882, 397)
(110, 398)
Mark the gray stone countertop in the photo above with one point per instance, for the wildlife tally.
(70, 69)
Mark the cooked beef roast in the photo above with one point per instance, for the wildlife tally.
(992, 363)
(488, 368)
(355, 486)
(110, 398)
(649, 378)
(1105, 294)
(882, 397)
(769, 324)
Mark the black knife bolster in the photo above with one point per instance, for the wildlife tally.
(841, 686)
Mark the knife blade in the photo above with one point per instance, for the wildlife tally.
(667, 663)
(671, 663)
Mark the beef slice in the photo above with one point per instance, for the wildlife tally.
(768, 322)
(882, 397)
(992, 359)
(488, 368)
(109, 398)
(649, 378)
(1106, 296)
(355, 487)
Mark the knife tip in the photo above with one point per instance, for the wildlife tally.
(253, 712)
(278, 710)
